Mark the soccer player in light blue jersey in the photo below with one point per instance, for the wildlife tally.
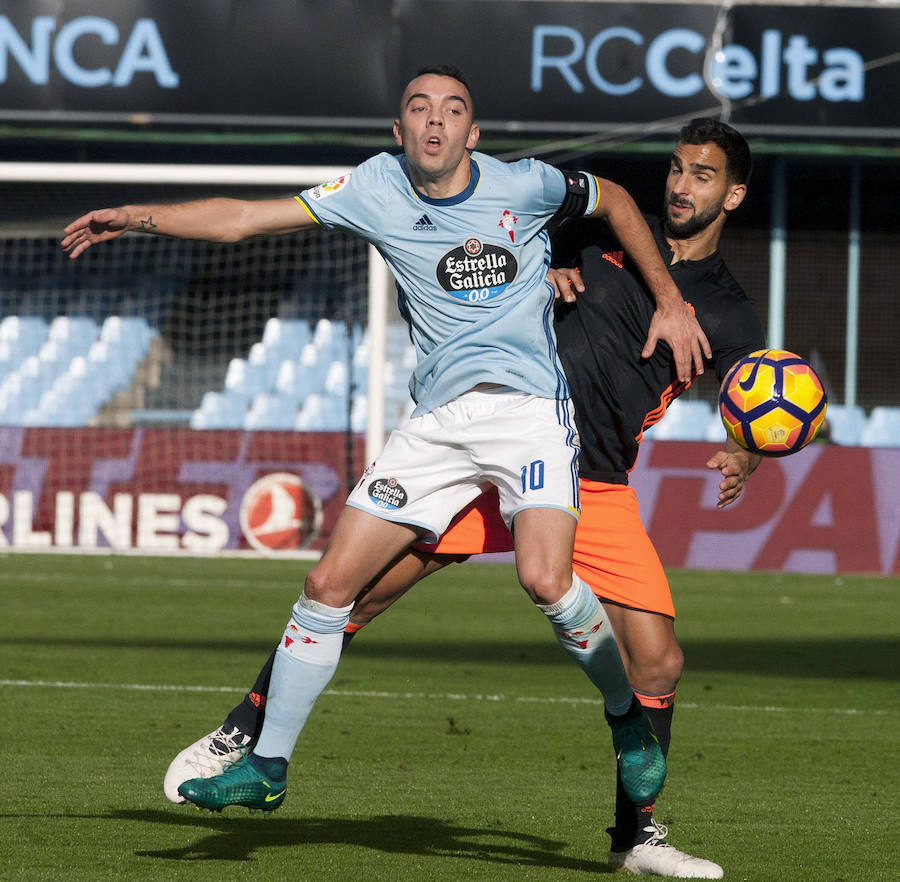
(464, 236)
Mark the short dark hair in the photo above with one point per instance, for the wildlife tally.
(445, 70)
(705, 129)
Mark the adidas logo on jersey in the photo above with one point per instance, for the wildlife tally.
(424, 224)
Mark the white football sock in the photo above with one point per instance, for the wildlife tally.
(584, 631)
(305, 661)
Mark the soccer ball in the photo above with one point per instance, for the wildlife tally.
(772, 402)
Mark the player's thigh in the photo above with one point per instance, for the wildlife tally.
(543, 540)
(360, 548)
(401, 574)
(530, 453)
(422, 478)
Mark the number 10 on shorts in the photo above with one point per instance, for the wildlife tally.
(533, 476)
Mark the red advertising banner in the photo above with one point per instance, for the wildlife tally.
(827, 509)
(170, 490)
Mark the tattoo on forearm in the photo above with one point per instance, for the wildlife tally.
(147, 223)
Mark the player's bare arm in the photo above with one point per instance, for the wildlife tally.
(215, 220)
(735, 465)
(673, 320)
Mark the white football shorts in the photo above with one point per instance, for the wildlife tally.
(439, 462)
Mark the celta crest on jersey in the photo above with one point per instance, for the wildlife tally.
(508, 221)
(476, 271)
(328, 188)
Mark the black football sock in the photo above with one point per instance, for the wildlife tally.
(631, 818)
(248, 715)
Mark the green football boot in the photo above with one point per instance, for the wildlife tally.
(242, 783)
(642, 766)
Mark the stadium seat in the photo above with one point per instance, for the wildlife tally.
(359, 413)
(361, 365)
(285, 338)
(219, 410)
(320, 413)
(23, 334)
(300, 378)
(61, 406)
(683, 421)
(715, 428)
(21, 389)
(330, 338)
(882, 428)
(127, 333)
(245, 379)
(271, 410)
(337, 380)
(73, 334)
(316, 367)
(116, 366)
(55, 357)
(845, 423)
(268, 361)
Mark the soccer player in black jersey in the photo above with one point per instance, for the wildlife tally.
(619, 389)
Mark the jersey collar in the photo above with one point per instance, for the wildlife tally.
(474, 177)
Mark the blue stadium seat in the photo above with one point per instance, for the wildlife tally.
(245, 379)
(683, 421)
(359, 413)
(271, 410)
(219, 410)
(330, 339)
(845, 423)
(715, 428)
(73, 334)
(882, 428)
(321, 413)
(23, 335)
(337, 380)
(285, 338)
(127, 334)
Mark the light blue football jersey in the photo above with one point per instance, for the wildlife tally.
(470, 269)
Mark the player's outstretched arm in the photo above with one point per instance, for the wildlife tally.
(735, 465)
(673, 320)
(215, 220)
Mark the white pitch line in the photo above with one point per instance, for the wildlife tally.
(446, 696)
(15, 578)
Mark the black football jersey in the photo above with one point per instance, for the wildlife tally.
(616, 393)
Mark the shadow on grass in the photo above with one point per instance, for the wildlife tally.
(238, 838)
(869, 658)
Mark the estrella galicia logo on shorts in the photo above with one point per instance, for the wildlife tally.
(387, 493)
(476, 271)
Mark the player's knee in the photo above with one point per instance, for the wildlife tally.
(323, 586)
(544, 586)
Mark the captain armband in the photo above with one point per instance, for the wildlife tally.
(578, 191)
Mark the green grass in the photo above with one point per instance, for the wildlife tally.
(440, 751)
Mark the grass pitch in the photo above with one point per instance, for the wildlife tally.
(456, 740)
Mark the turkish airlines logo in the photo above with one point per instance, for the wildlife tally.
(278, 513)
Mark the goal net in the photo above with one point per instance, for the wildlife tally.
(169, 395)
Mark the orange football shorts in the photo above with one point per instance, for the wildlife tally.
(613, 552)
